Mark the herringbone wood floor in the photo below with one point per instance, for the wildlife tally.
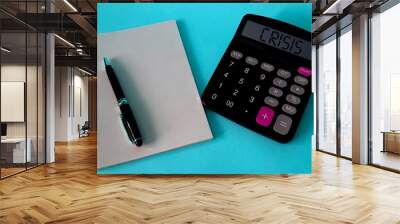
(69, 191)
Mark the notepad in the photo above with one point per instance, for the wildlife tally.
(152, 67)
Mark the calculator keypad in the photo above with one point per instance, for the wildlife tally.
(236, 55)
(275, 92)
(293, 99)
(280, 82)
(260, 93)
(251, 60)
(289, 109)
(304, 71)
(270, 101)
(297, 89)
(284, 74)
(265, 116)
(283, 124)
(267, 67)
(301, 80)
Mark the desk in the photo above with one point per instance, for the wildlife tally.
(13, 150)
(391, 141)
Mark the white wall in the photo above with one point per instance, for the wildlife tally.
(79, 117)
(17, 73)
(12, 73)
(62, 81)
(70, 83)
(12, 101)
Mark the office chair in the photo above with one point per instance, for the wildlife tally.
(84, 130)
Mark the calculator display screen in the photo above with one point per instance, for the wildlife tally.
(277, 39)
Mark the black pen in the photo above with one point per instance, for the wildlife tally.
(127, 118)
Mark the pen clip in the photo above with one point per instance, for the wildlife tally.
(128, 129)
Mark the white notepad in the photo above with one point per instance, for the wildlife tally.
(152, 67)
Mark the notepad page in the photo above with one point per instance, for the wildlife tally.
(152, 67)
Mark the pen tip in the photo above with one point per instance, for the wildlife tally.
(139, 142)
(107, 61)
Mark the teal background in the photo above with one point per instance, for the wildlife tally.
(206, 30)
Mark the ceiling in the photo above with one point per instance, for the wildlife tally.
(72, 20)
(75, 21)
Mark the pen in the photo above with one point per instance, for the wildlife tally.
(127, 117)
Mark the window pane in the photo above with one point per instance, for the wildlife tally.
(22, 90)
(327, 96)
(15, 150)
(346, 94)
(385, 84)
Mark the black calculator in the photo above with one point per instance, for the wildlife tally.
(263, 81)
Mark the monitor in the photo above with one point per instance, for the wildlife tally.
(3, 129)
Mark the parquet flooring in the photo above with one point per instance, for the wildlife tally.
(70, 191)
(10, 171)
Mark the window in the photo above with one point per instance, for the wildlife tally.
(22, 101)
(385, 89)
(334, 94)
(326, 75)
(345, 92)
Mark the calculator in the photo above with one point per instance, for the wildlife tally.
(263, 80)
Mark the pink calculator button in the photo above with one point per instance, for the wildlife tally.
(304, 71)
(265, 116)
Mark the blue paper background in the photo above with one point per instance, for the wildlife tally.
(206, 30)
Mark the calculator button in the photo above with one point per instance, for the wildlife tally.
(289, 109)
(283, 73)
(271, 101)
(236, 55)
(265, 116)
(293, 99)
(304, 71)
(251, 61)
(301, 80)
(280, 82)
(297, 89)
(275, 92)
(267, 67)
(282, 124)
